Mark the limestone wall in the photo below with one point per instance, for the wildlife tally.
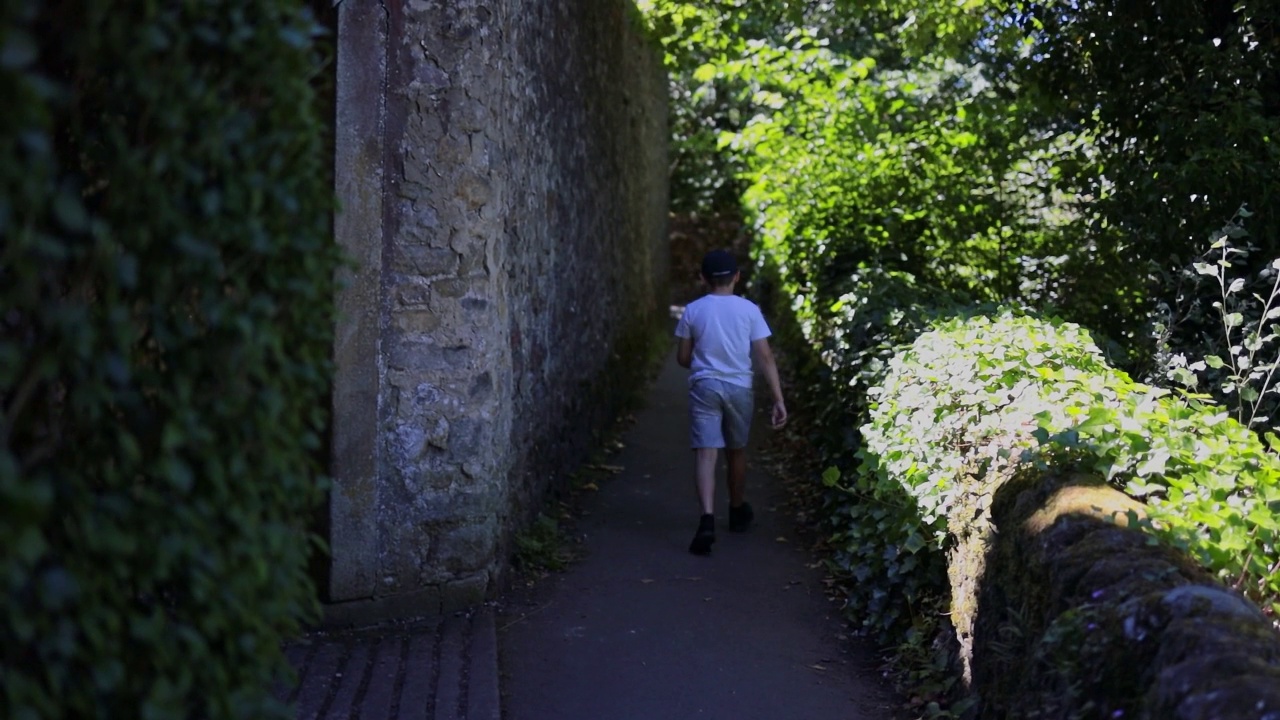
(521, 243)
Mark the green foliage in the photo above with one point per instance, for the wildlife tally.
(1178, 105)
(166, 271)
(542, 547)
(848, 159)
(973, 394)
(1224, 327)
(1038, 153)
(897, 158)
(893, 584)
(916, 172)
(1183, 101)
(697, 37)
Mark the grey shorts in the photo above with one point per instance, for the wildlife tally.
(719, 414)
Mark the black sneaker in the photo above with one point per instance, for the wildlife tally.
(705, 536)
(740, 517)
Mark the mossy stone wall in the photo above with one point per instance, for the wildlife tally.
(1078, 616)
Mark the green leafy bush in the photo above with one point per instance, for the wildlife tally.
(940, 152)
(980, 147)
(704, 104)
(166, 279)
(849, 165)
(849, 342)
(977, 392)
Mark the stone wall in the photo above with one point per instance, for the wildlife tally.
(1076, 616)
(505, 196)
(582, 287)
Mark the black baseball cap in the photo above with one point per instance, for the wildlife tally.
(718, 264)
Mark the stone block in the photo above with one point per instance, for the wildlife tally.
(465, 593)
(468, 548)
(411, 441)
(424, 261)
(415, 355)
(420, 603)
(438, 481)
(451, 287)
(481, 387)
(475, 189)
(428, 76)
(417, 322)
(468, 438)
(474, 262)
(410, 292)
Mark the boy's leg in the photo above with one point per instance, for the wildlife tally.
(704, 463)
(740, 512)
(706, 435)
(737, 427)
(737, 460)
(706, 438)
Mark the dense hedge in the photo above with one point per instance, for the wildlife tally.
(926, 398)
(839, 352)
(166, 279)
(973, 394)
(921, 414)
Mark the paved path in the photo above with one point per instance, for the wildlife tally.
(437, 669)
(642, 629)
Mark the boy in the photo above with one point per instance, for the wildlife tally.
(719, 333)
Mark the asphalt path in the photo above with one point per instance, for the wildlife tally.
(642, 630)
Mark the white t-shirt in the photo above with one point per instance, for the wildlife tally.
(723, 328)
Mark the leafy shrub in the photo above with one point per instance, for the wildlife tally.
(166, 278)
(542, 547)
(854, 337)
(849, 342)
(958, 388)
(937, 404)
(976, 392)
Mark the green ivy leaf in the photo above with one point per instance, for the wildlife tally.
(1154, 464)
(831, 477)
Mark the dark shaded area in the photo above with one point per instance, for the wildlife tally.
(692, 236)
(167, 284)
(325, 85)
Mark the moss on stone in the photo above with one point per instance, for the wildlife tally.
(1081, 617)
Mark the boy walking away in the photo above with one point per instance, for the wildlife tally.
(719, 334)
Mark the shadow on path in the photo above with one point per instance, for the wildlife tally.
(641, 629)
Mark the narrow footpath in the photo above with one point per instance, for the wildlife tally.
(640, 629)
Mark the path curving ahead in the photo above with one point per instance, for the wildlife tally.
(642, 630)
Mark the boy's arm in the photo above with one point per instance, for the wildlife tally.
(684, 352)
(764, 356)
